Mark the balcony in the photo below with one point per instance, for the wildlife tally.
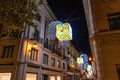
(10, 34)
(70, 68)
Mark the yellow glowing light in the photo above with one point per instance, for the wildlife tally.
(90, 59)
(80, 60)
(31, 76)
(72, 65)
(35, 45)
(64, 31)
(5, 76)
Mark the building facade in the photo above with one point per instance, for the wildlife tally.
(73, 69)
(103, 20)
(30, 55)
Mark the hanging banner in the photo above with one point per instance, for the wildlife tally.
(64, 32)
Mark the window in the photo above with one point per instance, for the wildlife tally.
(53, 62)
(5, 76)
(114, 21)
(59, 52)
(63, 50)
(52, 77)
(31, 76)
(46, 24)
(58, 78)
(118, 69)
(44, 77)
(36, 35)
(34, 54)
(63, 65)
(7, 52)
(1, 28)
(39, 17)
(69, 50)
(58, 64)
(45, 59)
(64, 77)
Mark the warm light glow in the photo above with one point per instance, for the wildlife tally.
(58, 78)
(90, 59)
(72, 65)
(52, 77)
(35, 45)
(64, 31)
(31, 76)
(5, 76)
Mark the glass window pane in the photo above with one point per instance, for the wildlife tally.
(5, 76)
(30, 76)
(118, 22)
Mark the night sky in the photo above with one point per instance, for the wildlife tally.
(72, 11)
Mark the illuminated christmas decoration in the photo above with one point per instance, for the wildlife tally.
(85, 58)
(51, 30)
(84, 61)
(64, 32)
(64, 43)
(66, 36)
(80, 60)
(89, 70)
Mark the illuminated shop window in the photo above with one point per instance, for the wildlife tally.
(30, 76)
(52, 77)
(58, 78)
(5, 76)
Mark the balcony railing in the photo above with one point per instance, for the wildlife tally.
(11, 34)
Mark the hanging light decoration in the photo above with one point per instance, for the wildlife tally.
(51, 30)
(80, 60)
(85, 61)
(60, 30)
(64, 32)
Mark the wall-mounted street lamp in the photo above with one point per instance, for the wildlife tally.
(35, 45)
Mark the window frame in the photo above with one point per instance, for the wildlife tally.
(8, 51)
(45, 56)
(34, 54)
(114, 21)
(58, 64)
(53, 61)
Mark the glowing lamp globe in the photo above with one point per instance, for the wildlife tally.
(64, 32)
